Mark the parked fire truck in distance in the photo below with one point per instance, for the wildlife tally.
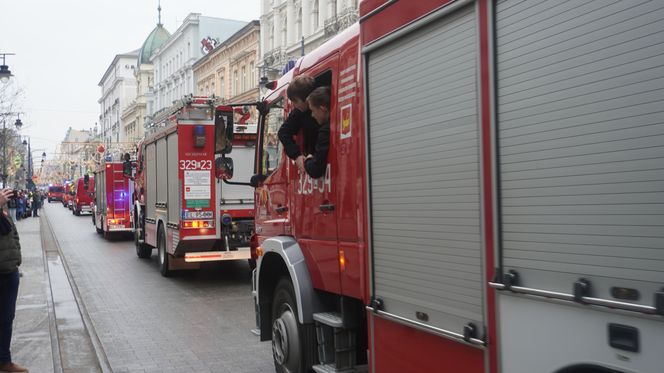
(493, 200)
(68, 194)
(55, 193)
(180, 205)
(112, 212)
(84, 195)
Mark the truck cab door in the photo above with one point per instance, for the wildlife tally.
(271, 202)
(315, 202)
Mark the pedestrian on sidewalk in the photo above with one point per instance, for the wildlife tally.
(20, 206)
(10, 260)
(36, 200)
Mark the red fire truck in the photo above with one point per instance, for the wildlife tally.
(56, 193)
(84, 195)
(493, 200)
(180, 206)
(112, 211)
(68, 194)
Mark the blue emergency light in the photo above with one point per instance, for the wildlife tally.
(199, 136)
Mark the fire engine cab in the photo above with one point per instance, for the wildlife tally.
(494, 197)
(182, 205)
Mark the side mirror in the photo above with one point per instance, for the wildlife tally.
(223, 132)
(223, 168)
(257, 180)
(126, 168)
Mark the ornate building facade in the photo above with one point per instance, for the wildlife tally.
(173, 61)
(118, 89)
(136, 113)
(291, 28)
(229, 70)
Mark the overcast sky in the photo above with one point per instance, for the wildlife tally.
(63, 47)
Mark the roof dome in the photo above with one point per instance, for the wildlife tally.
(156, 39)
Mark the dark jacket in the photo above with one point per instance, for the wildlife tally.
(10, 248)
(298, 120)
(316, 165)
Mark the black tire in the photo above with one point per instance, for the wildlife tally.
(163, 255)
(77, 212)
(105, 232)
(143, 250)
(100, 230)
(293, 344)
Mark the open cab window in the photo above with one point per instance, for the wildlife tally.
(271, 146)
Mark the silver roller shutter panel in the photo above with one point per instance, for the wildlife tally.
(424, 165)
(151, 176)
(173, 179)
(581, 143)
(162, 171)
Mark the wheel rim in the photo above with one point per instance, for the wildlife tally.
(285, 340)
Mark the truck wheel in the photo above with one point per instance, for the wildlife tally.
(143, 250)
(99, 230)
(290, 338)
(163, 255)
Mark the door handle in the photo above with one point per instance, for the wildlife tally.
(281, 209)
(327, 208)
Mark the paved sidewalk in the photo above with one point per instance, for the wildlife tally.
(31, 341)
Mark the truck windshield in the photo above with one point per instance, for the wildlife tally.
(197, 113)
(56, 189)
(271, 145)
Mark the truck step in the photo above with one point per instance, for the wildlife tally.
(329, 368)
(332, 319)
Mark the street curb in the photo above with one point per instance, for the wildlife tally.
(55, 346)
(102, 359)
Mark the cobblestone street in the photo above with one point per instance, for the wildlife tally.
(195, 321)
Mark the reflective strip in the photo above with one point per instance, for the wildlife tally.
(217, 255)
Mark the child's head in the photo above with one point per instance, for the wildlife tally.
(299, 89)
(319, 103)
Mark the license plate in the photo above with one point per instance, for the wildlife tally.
(116, 226)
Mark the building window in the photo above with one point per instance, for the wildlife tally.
(284, 33)
(235, 83)
(244, 79)
(314, 16)
(252, 76)
(222, 87)
(213, 91)
(272, 35)
(298, 28)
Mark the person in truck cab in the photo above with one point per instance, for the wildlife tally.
(299, 119)
(319, 102)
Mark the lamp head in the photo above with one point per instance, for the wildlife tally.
(5, 73)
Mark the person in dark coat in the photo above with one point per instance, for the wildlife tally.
(315, 163)
(299, 119)
(10, 260)
(36, 200)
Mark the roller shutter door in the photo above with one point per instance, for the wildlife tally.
(424, 168)
(581, 143)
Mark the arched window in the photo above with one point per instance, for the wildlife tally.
(243, 87)
(222, 88)
(272, 36)
(298, 28)
(284, 32)
(252, 79)
(314, 16)
(235, 83)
